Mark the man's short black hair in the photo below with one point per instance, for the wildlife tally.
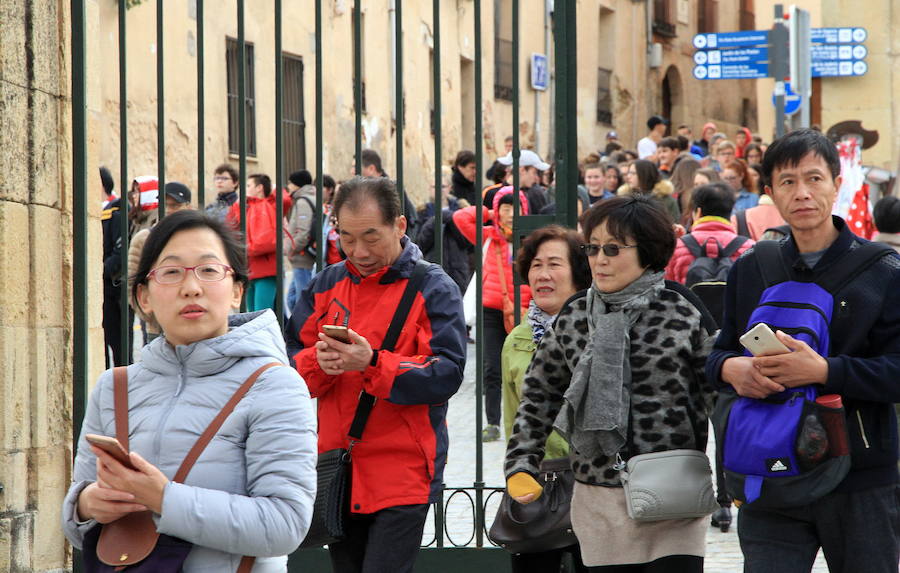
(463, 158)
(790, 149)
(358, 190)
(887, 214)
(106, 179)
(264, 180)
(670, 143)
(683, 143)
(656, 120)
(713, 200)
(639, 218)
(300, 178)
(371, 157)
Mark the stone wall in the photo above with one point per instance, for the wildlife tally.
(35, 279)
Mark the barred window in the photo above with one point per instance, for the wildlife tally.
(293, 120)
(231, 64)
(604, 96)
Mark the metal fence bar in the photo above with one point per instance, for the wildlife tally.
(242, 127)
(160, 110)
(479, 274)
(279, 169)
(438, 187)
(125, 324)
(201, 112)
(320, 210)
(398, 99)
(79, 220)
(565, 48)
(357, 82)
(517, 208)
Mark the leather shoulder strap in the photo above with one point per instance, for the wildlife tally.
(120, 404)
(246, 564)
(217, 422)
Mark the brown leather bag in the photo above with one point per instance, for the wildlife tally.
(130, 539)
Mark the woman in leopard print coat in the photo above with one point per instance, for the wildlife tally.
(621, 372)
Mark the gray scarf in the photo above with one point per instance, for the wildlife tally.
(594, 416)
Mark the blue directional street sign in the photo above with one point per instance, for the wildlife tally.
(539, 72)
(838, 52)
(838, 68)
(731, 39)
(750, 70)
(838, 35)
(735, 56)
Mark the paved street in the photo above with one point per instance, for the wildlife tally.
(723, 553)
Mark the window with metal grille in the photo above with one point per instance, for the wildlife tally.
(707, 20)
(231, 61)
(604, 96)
(293, 122)
(503, 50)
(663, 18)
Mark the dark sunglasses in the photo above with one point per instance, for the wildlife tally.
(609, 249)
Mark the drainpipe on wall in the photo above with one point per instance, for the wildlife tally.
(392, 17)
(537, 93)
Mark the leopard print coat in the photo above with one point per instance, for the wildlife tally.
(669, 347)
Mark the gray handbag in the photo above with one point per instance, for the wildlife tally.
(676, 484)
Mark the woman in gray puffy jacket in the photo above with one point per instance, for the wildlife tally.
(251, 492)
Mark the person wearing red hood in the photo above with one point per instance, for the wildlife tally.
(260, 239)
(742, 138)
(709, 128)
(497, 283)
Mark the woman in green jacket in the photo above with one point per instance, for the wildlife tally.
(555, 267)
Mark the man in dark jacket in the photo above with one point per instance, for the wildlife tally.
(530, 168)
(398, 466)
(857, 525)
(111, 222)
(456, 250)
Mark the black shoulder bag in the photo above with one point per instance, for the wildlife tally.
(332, 507)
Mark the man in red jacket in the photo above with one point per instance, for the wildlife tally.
(398, 466)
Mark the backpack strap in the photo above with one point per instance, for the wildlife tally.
(706, 318)
(853, 262)
(771, 263)
(732, 247)
(692, 245)
(742, 228)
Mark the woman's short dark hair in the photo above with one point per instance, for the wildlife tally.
(647, 174)
(356, 191)
(463, 158)
(887, 214)
(188, 220)
(640, 218)
(581, 271)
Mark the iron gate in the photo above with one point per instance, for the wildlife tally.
(437, 555)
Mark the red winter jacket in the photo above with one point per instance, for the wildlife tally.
(704, 228)
(261, 233)
(492, 294)
(400, 460)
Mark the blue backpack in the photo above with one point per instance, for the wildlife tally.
(787, 450)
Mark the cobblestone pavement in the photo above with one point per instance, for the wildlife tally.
(723, 554)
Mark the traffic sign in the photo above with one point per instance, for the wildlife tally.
(838, 35)
(737, 71)
(539, 72)
(791, 100)
(838, 68)
(731, 39)
(735, 56)
(839, 52)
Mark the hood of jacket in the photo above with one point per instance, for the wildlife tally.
(523, 205)
(663, 188)
(305, 191)
(250, 335)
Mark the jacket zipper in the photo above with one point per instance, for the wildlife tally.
(157, 442)
(862, 429)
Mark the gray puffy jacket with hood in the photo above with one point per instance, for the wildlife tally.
(251, 492)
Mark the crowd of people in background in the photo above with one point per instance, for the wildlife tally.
(648, 214)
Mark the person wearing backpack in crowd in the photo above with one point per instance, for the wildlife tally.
(854, 515)
(712, 232)
(530, 169)
(302, 225)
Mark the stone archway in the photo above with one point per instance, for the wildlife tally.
(673, 96)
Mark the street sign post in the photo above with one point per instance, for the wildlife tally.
(539, 72)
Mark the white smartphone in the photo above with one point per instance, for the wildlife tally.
(761, 341)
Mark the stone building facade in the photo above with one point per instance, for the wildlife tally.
(622, 79)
